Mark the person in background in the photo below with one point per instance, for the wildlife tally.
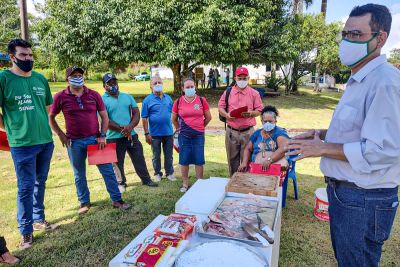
(239, 130)
(266, 145)
(217, 75)
(190, 116)
(227, 73)
(25, 98)
(210, 77)
(80, 106)
(157, 125)
(5, 256)
(360, 154)
(124, 116)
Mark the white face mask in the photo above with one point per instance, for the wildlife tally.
(241, 84)
(158, 88)
(351, 53)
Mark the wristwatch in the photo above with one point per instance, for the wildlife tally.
(103, 135)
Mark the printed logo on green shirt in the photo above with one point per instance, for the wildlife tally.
(39, 91)
(24, 102)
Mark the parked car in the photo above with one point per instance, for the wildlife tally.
(144, 76)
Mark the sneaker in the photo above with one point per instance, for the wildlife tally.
(121, 188)
(26, 241)
(183, 189)
(8, 258)
(120, 205)
(157, 178)
(43, 226)
(150, 183)
(85, 207)
(171, 177)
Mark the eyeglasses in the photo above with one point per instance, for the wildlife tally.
(355, 35)
(80, 103)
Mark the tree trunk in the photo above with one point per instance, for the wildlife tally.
(54, 74)
(176, 70)
(295, 77)
(185, 70)
(316, 82)
(234, 67)
(324, 5)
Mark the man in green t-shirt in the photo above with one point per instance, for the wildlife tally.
(24, 100)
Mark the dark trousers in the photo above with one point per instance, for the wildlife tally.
(135, 152)
(360, 221)
(3, 246)
(167, 146)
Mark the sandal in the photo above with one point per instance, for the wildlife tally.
(13, 261)
(184, 189)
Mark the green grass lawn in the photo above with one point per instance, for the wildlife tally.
(95, 238)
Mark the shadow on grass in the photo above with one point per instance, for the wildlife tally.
(93, 239)
(70, 184)
(305, 100)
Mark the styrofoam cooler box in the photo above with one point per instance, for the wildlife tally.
(203, 197)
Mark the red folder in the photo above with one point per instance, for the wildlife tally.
(98, 156)
(4, 142)
(237, 113)
(274, 169)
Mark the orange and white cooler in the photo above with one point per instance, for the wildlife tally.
(321, 204)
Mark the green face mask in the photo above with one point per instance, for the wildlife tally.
(352, 53)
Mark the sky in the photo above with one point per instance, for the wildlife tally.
(337, 10)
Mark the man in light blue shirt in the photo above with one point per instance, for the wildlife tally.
(361, 149)
(157, 125)
(124, 115)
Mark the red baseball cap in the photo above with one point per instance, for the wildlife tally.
(241, 71)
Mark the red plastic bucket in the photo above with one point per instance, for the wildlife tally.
(321, 204)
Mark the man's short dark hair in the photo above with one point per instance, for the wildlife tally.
(17, 42)
(381, 19)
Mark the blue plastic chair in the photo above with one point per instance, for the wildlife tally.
(291, 174)
(261, 91)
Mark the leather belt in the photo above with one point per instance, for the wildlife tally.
(335, 183)
(240, 130)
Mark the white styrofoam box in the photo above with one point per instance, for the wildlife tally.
(203, 197)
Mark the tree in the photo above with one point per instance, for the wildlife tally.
(295, 47)
(9, 23)
(179, 34)
(395, 56)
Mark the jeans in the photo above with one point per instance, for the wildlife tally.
(360, 221)
(135, 152)
(77, 153)
(32, 164)
(167, 147)
(3, 246)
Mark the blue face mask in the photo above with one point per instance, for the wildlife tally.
(158, 88)
(268, 126)
(113, 89)
(190, 91)
(76, 82)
